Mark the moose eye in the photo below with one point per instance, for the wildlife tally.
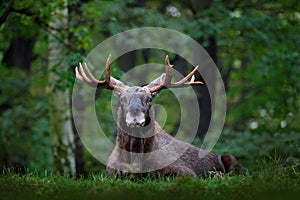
(149, 101)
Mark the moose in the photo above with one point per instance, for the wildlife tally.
(139, 136)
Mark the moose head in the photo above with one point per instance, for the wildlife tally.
(135, 102)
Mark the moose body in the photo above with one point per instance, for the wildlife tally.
(188, 164)
(139, 134)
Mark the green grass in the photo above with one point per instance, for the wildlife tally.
(276, 179)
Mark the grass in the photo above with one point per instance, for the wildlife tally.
(276, 179)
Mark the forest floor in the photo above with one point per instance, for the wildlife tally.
(273, 180)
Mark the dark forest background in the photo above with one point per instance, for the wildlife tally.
(255, 44)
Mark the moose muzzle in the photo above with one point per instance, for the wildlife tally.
(135, 119)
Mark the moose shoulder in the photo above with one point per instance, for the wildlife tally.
(139, 135)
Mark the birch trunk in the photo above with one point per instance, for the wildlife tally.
(61, 132)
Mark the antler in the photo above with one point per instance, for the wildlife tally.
(92, 81)
(168, 77)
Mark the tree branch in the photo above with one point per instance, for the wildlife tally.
(6, 12)
(43, 24)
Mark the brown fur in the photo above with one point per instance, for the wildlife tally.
(188, 164)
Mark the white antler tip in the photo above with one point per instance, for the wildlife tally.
(193, 78)
(108, 61)
(167, 59)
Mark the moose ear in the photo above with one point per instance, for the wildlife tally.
(156, 82)
(118, 83)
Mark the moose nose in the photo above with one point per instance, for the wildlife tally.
(135, 121)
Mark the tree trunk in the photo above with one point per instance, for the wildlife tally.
(19, 53)
(75, 11)
(204, 98)
(61, 132)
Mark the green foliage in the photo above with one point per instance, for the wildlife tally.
(24, 123)
(275, 179)
(258, 48)
(251, 147)
(257, 51)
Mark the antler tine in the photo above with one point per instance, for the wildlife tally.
(91, 75)
(92, 81)
(107, 69)
(168, 77)
(185, 79)
(82, 76)
(78, 76)
(169, 68)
